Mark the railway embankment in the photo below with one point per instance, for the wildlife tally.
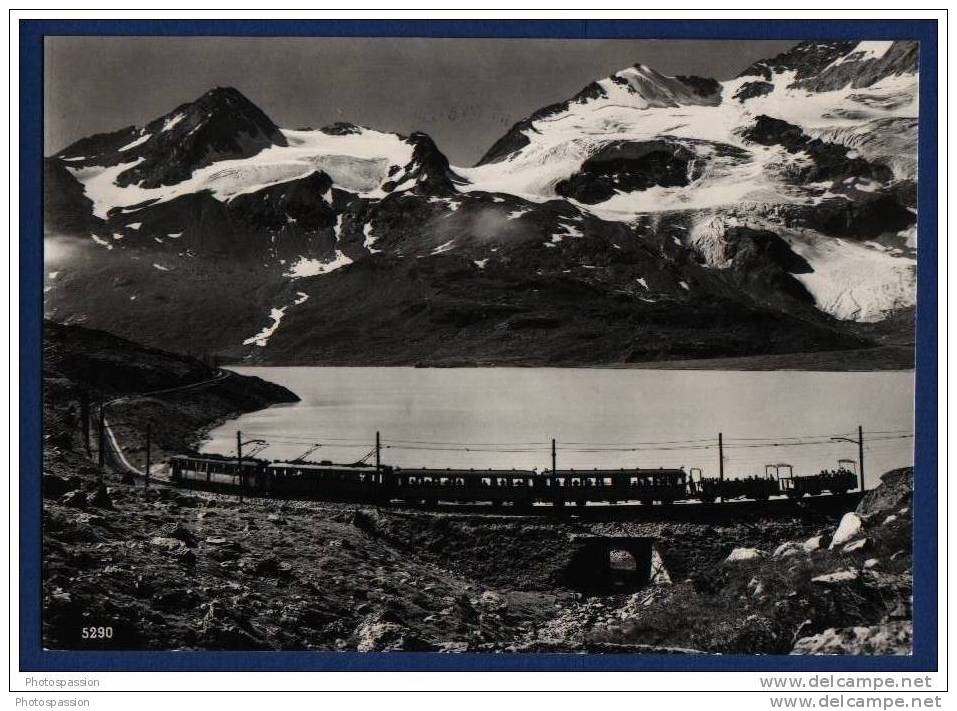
(167, 568)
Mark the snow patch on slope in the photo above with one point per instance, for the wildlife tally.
(306, 267)
(855, 282)
(261, 339)
(358, 162)
(369, 238)
(172, 122)
(137, 142)
(100, 241)
(863, 52)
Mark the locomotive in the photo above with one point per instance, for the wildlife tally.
(520, 488)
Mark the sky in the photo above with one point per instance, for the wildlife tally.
(465, 93)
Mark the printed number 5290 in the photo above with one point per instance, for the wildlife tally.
(97, 633)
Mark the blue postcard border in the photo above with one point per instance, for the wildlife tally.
(33, 657)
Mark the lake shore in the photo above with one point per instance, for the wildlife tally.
(877, 359)
(883, 358)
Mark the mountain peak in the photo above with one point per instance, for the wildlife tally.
(637, 86)
(224, 97)
(222, 123)
(826, 66)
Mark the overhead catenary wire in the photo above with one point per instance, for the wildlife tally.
(746, 454)
(586, 447)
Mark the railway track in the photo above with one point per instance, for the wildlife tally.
(113, 447)
(826, 506)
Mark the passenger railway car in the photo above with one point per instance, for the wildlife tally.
(335, 482)
(212, 472)
(494, 486)
(614, 485)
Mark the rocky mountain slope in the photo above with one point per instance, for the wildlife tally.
(646, 218)
(83, 367)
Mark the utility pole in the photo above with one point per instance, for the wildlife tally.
(378, 460)
(147, 485)
(239, 463)
(85, 419)
(720, 466)
(553, 457)
(101, 455)
(860, 454)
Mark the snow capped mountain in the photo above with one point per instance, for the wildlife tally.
(790, 135)
(678, 216)
(700, 124)
(221, 124)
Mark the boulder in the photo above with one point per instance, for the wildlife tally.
(813, 543)
(787, 549)
(850, 527)
(890, 638)
(838, 577)
(492, 600)
(741, 554)
(895, 491)
(181, 533)
(382, 632)
(858, 545)
(172, 545)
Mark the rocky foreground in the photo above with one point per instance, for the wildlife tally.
(169, 569)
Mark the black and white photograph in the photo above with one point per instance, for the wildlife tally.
(479, 345)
